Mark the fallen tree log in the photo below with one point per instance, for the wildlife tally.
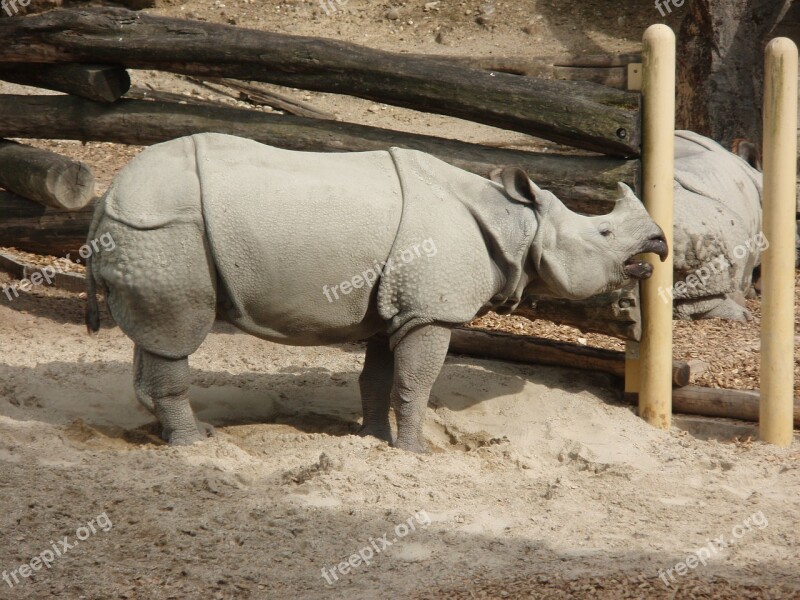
(35, 228)
(100, 83)
(580, 114)
(715, 402)
(540, 351)
(610, 70)
(585, 183)
(45, 177)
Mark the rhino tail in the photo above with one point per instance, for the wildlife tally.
(92, 307)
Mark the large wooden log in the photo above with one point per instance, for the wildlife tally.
(540, 351)
(45, 177)
(609, 70)
(586, 184)
(35, 228)
(101, 83)
(714, 402)
(580, 114)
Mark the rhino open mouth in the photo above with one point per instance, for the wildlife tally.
(638, 269)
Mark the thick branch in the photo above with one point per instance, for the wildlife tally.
(580, 114)
(94, 82)
(34, 228)
(586, 184)
(45, 177)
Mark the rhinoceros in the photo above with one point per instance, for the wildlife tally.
(718, 239)
(395, 247)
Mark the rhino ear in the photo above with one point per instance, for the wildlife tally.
(516, 183)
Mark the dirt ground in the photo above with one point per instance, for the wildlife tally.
(539, 484)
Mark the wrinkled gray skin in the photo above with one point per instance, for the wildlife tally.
(213, 225)
(717, 227)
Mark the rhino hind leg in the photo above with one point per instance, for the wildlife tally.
(418, 358)
(375, 383)
(729, 309)
(163, 384)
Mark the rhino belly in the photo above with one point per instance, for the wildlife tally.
(298, 238)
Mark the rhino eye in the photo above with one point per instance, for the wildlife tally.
(605, 232)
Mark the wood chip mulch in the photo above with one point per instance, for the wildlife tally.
(730, 349)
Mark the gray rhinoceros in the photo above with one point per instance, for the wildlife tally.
(303, 248)
(718, 239)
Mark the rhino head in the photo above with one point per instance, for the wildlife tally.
(575, 256)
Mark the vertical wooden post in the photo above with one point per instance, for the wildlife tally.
(777, 262)
(658, 159)
(632, 348)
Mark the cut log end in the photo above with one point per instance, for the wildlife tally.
(71, 188)
(45, 177)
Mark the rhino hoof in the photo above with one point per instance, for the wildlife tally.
(187, 438)
(416, 447)
(381, 434)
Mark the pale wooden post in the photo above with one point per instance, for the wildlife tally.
(777, 262)
(632, 348)
(658, 131)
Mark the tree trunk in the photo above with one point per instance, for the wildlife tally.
(580, 114)
(32, 227)
(721, 66)
(585, 183)
(93, 82)
(45, 177)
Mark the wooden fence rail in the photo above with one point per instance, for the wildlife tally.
(579, 114)
(585, 183)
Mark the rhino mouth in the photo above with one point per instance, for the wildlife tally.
(638, 269)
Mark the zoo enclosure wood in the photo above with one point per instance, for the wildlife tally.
(585, 183)
(717, 402)
(45, 177)
(101, 83)
(580, 114)
(43, 230)
(528, 349)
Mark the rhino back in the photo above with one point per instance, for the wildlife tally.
(717, 210)
(285, 226)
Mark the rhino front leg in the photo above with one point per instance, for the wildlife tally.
(375, 383)
(418, 358)
(163, 383)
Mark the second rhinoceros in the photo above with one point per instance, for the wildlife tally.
(395, 247)
(718, 239)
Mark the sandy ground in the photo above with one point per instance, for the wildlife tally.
(539, 483)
